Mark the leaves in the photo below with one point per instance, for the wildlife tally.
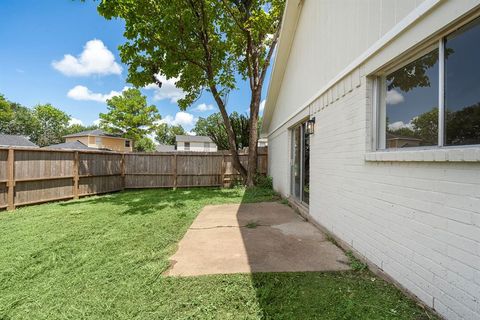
(129, 115)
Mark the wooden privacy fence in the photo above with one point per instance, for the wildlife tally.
(29, 176)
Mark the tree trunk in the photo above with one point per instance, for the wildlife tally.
(253, 137)
(230, 134)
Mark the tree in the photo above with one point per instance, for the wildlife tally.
(213, 127)
(144, 145)
(51, 125)
(129, 115)
(16, 119)
(165, 134)
(76, 128)
(204, 44)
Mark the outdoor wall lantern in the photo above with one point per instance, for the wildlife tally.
(311, 126)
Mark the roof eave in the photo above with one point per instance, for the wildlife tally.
(291, 15)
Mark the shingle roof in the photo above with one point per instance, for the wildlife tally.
(9, 140)
(96, 132)
(164, 148)
(186, 138)
(74, 145)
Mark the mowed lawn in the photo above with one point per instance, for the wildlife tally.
(103, 258)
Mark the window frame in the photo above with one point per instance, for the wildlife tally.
(186, 146)
(379, 92)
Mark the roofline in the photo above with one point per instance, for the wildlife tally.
(94, 135)
(291, 15)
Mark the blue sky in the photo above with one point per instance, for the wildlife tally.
(36, 38)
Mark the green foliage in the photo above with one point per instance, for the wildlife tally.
(356, 264)
(76, 128)
(129, 115)
(264, 181)
(51, 123)
(144, 145)
(165, 134)
(213, 127)
(103, 258)
(202, 45)
(16, 119)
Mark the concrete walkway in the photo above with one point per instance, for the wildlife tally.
(259, 237)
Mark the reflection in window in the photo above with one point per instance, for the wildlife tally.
(462, 86)
(412, 104)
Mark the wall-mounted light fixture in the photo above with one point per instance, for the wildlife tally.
(311, 126)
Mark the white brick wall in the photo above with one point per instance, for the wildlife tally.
(418, 221)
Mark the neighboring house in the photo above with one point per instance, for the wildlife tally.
(10, 140)
(164, 148)
(72, 145)
(99, 139)
(347, 68)
(195, 143)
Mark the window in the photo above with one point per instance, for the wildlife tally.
(98, 141)
(186, 146)
(434, 98)
(127, 143)
(206, 145)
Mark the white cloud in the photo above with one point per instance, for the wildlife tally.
(394, 97)
(204, 107)
(262, 105)
(167, 91)
(94, 59)
(73, 121)
(85, 94)
(399, 125)
(182, 118)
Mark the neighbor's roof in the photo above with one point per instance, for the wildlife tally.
(164, 147)
(96, 132)
(186, 138)
(10, 140)
(73, 145)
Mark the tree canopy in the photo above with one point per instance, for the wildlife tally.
(203, 45)
(130, 115)
(213, 127)
(165, 134)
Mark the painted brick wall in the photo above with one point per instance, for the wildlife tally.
(417, 221)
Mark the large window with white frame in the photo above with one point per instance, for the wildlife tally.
(433, 98)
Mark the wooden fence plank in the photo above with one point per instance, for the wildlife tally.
(30, 176)
(11, 179)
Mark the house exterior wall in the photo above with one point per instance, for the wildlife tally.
(115, 144)
(197, 147)
(413, 214)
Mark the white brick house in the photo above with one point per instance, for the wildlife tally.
(393, 166)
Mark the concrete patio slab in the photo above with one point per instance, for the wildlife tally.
(260, 237)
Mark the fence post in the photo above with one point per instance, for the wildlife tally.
(76, 160)
(222, 174)
(175, 171)
(11, 179)
(123, 170)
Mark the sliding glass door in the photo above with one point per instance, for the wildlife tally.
(300, 163)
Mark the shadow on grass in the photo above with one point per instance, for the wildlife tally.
(349, 294)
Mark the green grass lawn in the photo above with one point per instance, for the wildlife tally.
(103, 258)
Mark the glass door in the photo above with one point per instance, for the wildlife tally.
(300, 163)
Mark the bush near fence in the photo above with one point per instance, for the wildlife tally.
(29, 176)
